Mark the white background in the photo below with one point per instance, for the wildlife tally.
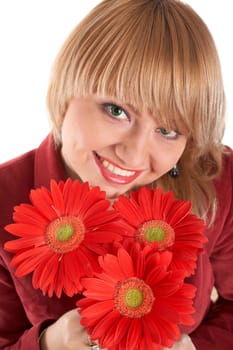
(31, 33)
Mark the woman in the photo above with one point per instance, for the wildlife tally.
(136, 99)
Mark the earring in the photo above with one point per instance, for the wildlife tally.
(174, 172)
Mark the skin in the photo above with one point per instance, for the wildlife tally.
(129, 139)
(184, 343)
(97, 131)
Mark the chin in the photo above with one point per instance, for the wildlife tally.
(111, 195)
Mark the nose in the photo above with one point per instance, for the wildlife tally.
(134, 148)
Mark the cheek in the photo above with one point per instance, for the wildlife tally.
(70, 139)
(178, 150)
(79, 137)
(72, 132)
(169, 155)
(182, 146)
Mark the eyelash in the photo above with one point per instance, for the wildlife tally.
(174, 136)
(107, 106)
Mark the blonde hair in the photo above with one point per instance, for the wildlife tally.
(158, 54)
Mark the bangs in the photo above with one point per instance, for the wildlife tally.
(149, 54)
(157, 56)
(138, 63)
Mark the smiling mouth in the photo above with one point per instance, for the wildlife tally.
(113, 173)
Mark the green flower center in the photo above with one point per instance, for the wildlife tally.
(133, 297)
(64, 234)
(155, 234)
(156, 231)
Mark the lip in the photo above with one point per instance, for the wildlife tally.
(115, 178)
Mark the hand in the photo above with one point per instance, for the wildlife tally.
(185, 343)
(65, 334)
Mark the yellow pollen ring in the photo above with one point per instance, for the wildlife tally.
(156, 231)
(64, 234)
(133, 298)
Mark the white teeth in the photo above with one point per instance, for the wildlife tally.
(117, 171)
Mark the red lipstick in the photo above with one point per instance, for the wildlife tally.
(112, 177)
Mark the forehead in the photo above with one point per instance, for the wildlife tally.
(148, 65)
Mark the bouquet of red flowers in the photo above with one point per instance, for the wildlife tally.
(129, 261)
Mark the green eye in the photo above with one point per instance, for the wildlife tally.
(164, 132)
(168, 134)
(115, 111)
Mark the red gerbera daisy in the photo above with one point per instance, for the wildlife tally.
(136, 302)
(156, 218)
(61, 235)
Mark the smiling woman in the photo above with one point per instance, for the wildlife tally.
(136, 106)
(25, 120)
(114, 147)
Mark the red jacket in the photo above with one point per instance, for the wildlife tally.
(24, 311)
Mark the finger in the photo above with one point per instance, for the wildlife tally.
(184, 343)
(93, 344)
